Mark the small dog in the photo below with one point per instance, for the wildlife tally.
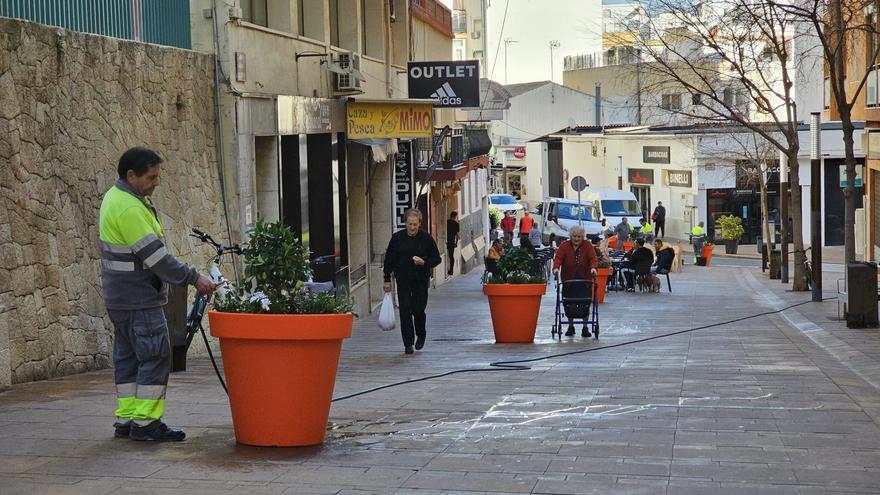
(654, 283)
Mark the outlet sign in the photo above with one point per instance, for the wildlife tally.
(449, 84)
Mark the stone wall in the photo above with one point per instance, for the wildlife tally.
(70, 104)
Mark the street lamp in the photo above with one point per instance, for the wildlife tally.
(815, 205)
(507, 42)
(553, 45)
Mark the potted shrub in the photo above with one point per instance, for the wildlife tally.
(708, 247)
(731, 231)
(280, 343)
(515, 297)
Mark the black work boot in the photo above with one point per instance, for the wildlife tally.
(156, 431)
(122, 429)
(408, 349)
(570, 331)
(585, 332)
(420, 342)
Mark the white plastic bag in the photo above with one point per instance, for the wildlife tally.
(386, 313)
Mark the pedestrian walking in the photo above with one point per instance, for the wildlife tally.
(452, 229)
(659, 217)
(576, 259)
(508, 225)
(136, 267)
(526, 224)
(410, 256)
(698, 239)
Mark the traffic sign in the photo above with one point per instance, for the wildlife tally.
(578, 183)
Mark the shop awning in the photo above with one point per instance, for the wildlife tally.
(479, 142)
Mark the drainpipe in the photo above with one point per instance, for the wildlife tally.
(386, 23)
(598, 100)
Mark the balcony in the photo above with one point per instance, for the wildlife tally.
(463, 150)
(459, 22)
(433, 13)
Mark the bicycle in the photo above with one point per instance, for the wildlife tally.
(200, 302)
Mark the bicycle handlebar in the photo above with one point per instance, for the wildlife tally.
(198, 234)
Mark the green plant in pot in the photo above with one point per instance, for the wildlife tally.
(731, 232)
(280, 343)
(515, 296)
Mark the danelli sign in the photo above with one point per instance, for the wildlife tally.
(678, 178)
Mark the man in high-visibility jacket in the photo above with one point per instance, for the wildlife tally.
(646, 230)
(135, 266)
(698, 238)
(526, 224)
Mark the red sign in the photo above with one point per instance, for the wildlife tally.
(640, 176)
(519, 152)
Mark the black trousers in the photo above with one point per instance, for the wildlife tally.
(451, 251)
(412, 298)
(660, 227)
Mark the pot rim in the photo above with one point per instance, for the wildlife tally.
(255, 326)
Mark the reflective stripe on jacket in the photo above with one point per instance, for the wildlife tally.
(135, 264)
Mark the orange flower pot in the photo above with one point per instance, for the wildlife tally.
(280, 370)
(514, 309)
(707, 253)
(602, 275)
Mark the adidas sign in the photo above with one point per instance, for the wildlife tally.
(446, 96)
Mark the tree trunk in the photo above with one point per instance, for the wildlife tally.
(797, 224)
(849, 192)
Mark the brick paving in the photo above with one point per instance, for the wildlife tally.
(783, 404)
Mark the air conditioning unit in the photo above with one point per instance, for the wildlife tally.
(351, 77)
(476, 35)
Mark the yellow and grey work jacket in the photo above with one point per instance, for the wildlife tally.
(135, 264)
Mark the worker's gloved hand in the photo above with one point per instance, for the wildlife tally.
(204, 285)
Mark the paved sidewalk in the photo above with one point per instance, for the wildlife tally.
(786, 403)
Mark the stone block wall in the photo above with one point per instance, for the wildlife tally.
(70, 105)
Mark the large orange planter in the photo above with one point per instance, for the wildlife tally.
(602, 275)
(280, 370)
(514, 309)
(707, 253)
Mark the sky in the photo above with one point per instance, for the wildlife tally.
(576, 24)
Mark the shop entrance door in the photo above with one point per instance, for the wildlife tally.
(643, 195)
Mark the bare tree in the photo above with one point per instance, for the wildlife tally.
(733, 62)
(752, 156)
(847, 30)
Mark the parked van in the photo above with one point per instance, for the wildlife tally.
(612, 205)
(555, 216)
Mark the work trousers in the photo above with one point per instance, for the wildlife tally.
(142, 362)
(412, 298)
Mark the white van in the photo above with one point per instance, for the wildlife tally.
(555, 216)
(613, 204)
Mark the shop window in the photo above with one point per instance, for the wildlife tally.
(311, 19)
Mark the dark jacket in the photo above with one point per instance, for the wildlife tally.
(564, 260)
(660, 214)
(452, 229)
(641, 260)
(402, 248)
(664, 259)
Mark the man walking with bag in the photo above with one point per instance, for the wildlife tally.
(410, 256)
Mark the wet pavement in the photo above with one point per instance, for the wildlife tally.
(781, 403)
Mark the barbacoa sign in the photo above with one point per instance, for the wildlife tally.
(450, 84)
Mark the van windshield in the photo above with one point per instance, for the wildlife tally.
(620, 208)
(573, 211)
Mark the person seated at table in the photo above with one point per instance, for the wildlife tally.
(494, 254)
(576, 260)
(640, 262)
(664, 256)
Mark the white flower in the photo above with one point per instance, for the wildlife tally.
(262, 298)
